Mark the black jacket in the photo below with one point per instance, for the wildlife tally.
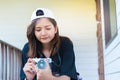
(63, 61)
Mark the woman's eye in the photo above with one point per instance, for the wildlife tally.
(38, 30)
(48, 28)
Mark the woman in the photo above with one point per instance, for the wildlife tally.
(44, 42)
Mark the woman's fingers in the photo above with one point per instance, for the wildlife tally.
(29, 66)
(30, 60)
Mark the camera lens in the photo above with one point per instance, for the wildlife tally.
(41, 64)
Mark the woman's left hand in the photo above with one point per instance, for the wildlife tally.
(44, 74)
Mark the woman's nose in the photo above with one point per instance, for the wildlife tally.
(43, 32)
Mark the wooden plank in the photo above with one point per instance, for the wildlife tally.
(0, 61)
(4, 62)
(8, 63)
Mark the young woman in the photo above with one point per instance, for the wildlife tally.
(44, 41)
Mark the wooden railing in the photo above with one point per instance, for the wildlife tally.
(10, 62)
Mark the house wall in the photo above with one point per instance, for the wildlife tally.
(76, 19)
(112, 52)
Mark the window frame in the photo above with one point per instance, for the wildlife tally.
(107, 22)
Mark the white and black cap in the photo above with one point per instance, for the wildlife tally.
(42, 12)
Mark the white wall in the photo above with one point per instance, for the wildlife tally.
(76, 19)
(112, 52)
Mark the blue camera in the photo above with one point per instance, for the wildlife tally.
(40, 62)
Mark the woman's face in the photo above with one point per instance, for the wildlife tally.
(45, 30)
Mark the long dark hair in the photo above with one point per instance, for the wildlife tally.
(35, 45)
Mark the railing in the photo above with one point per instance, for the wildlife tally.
(10, 62)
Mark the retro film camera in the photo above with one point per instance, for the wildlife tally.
(40, 62)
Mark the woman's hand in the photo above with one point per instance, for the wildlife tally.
(44, 74)
(29, 69)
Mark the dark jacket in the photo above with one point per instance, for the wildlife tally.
(63, 60)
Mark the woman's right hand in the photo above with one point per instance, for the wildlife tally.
(29, 69)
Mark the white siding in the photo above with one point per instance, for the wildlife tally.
(86, 59)
(112, 52)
